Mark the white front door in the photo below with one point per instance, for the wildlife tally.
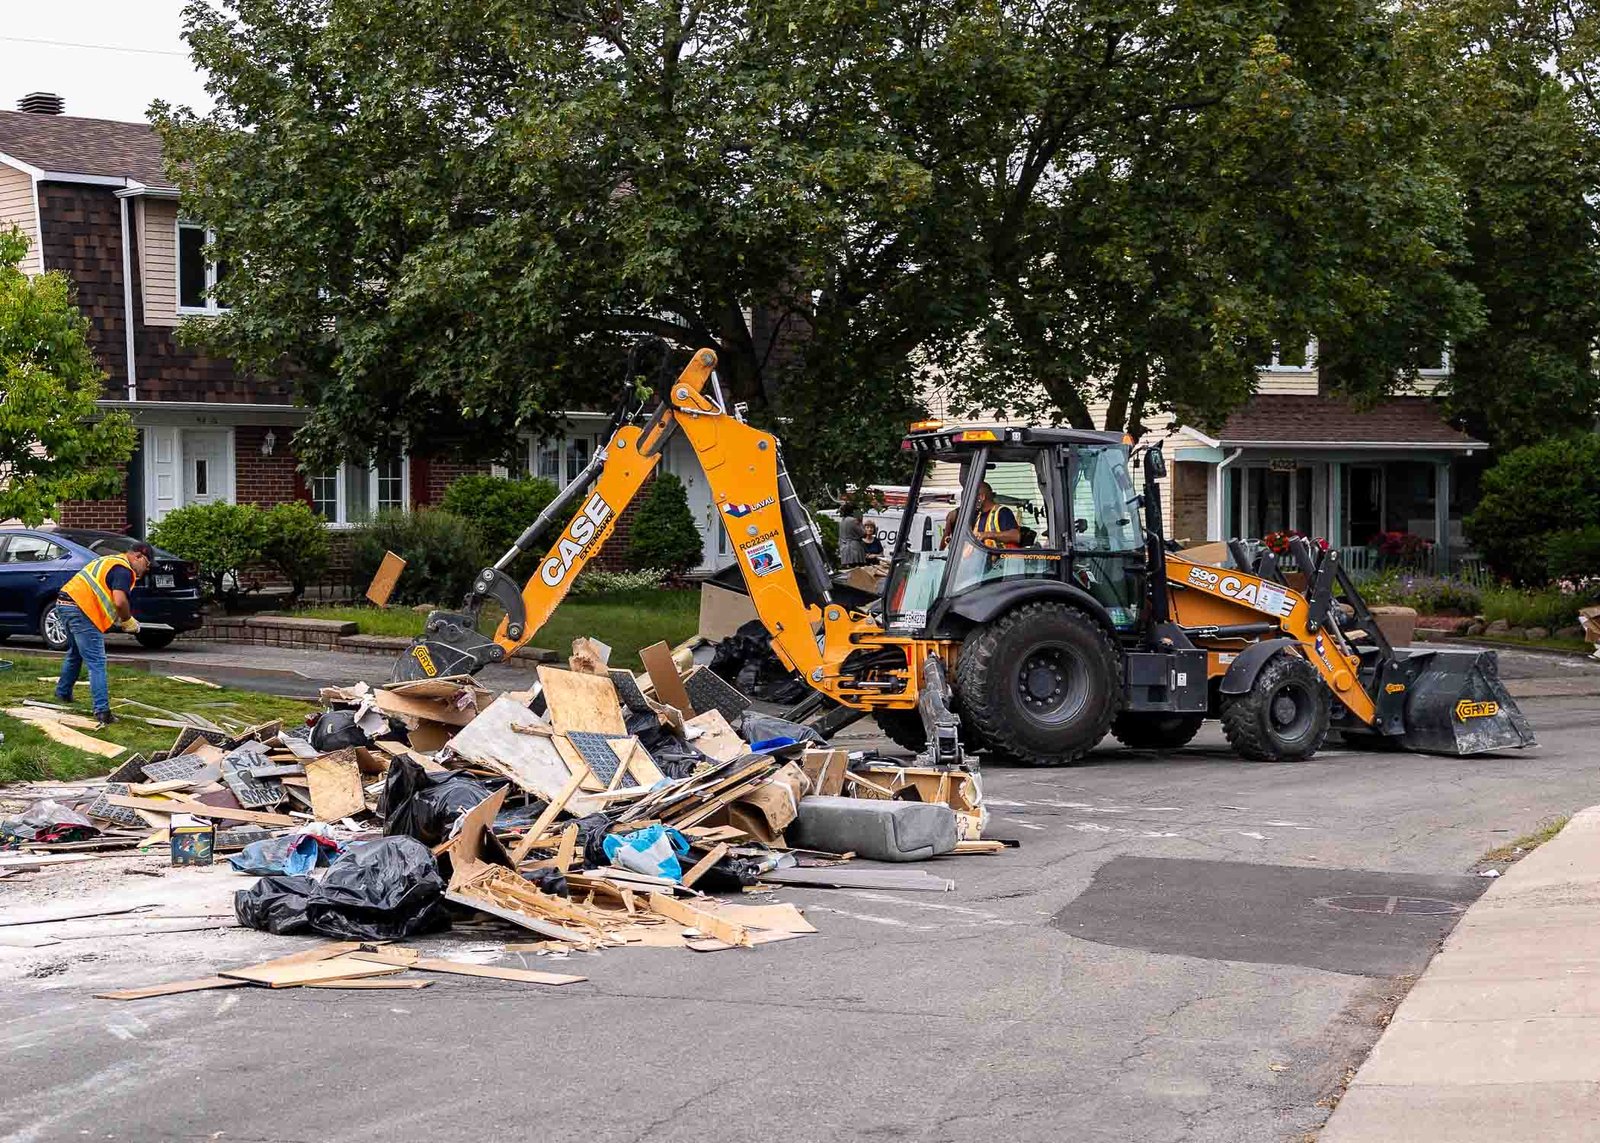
(207, 467)
(681, 462)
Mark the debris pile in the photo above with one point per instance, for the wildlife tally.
(594, 810)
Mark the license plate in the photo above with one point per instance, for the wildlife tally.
(164, 581)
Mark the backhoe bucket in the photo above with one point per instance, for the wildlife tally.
(1456, 704)
(449, 645)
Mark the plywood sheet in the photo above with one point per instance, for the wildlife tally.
(290, 975)
(335, 783)
(582, 702)
(171, 989)
(531, 761)
(488, 971)
(383, 582)
(657, 660)
(716, 739)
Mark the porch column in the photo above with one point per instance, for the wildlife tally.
(1336, 504)
(1441, 516)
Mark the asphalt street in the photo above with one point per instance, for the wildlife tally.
(1185, 947)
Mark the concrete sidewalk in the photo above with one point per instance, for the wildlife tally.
(1500, 1038)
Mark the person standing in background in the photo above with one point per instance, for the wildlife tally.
(871, 545)
(851, 553)
(90, 604)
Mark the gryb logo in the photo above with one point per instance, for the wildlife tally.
(1466, 709)
(425, 661)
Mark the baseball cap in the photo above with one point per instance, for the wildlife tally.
(142, 549)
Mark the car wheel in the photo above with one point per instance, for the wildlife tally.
(155, 640)
(53, 630)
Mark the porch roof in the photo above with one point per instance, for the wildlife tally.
(1313, 421)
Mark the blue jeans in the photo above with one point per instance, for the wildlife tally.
(86, 646)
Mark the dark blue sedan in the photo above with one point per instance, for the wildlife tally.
(36, 562)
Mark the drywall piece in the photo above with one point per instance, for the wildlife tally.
(398, 958)
(657, 660)
(853, 877)
(582, 702)
(384, 580)
(511, 740)
(715, 738)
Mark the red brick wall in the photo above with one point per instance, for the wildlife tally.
(1188, 492)
(431, 475)
(107, 515)
(266, 480)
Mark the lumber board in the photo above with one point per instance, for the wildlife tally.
(385, 578)
(664, 678)
(199, 984)
(546, 819)
(71, 912)
(65, 735)
(292, 975)
(774, 918)
(582, 702)
(335, 783)
(718, 852)
(707, 923)
(460, 968)
(521, 920)
(200, 809)
(717, 739)
(34, 711)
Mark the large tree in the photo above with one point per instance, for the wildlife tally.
(55, 444)
(448, 221)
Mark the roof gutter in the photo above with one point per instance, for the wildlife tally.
(1443, 446)
(127, 304)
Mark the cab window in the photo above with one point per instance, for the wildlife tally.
(1104, 505)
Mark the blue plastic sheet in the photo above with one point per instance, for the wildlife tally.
(293, 853)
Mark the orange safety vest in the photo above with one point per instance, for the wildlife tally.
(90, 591)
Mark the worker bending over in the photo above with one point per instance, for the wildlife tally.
(92, 602)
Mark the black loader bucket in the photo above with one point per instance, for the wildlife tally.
(448, 645)
(1456, 704)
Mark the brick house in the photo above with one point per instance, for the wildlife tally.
(94, 202)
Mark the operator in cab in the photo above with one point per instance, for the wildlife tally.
(90, 604)
(993, 526)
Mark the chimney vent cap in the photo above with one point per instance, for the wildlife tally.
(42, 103)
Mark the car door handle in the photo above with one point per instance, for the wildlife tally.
(41, 576)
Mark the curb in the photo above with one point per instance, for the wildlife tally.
(1425, 636)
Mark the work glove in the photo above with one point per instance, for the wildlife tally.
(130, 625)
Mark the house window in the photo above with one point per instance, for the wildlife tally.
(352, 493)
(197, 276)
(560, 459)
(1289, 349)
(1434, 360)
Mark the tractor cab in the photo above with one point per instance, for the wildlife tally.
(1042, 512)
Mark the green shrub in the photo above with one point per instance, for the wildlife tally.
(296, 544)
(502, 509)
(664, 534)
(1530, 495)
(593, 583)
(443, 554)
(1429, 594)
(828, 534)
(1520, 607)
(1574, 554)
(223, 538)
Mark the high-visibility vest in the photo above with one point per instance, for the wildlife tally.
(90, 591)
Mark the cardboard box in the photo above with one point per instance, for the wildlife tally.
(958, 789)
(825, 771)
(768, 809)
(1589, 620)
(722, 612)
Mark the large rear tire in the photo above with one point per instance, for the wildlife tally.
(1284, 715)
(1148, 731)
(1041, 684)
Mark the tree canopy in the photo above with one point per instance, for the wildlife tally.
(449, 221)
(55, 444)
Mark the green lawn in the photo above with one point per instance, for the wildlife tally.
(626, 621)
(27, 754)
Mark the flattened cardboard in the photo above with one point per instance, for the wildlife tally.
(383, 582)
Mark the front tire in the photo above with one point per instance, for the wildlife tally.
(1141, 731)
(1041, 684)
(155, 640)
(52, 630)
(1284, 715)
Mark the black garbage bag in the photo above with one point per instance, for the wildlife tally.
(425, 806)
(755, 727)
(275, 904)
(673, 756)
(729, 875)
(380, 890)
(746, 659)
(591, 836)
(337, 730)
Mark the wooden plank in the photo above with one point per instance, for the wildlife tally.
(70, 912)
(191, 680)
(200, 809)
(369, 983)
(706, 923)
(76, 739)
(291, 975)
(582, 702)
(718, 852)
(335, 782)
(312, 955)
(642, 768)
(980, 846)
(33, 711)
(199, 984)
(459, 968)
(568, 847)
(664, 678)
(383, 582)
(546, 819)
(775, 918)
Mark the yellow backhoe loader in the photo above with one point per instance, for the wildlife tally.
(1033, 646)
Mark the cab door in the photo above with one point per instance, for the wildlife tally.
(1107, 536)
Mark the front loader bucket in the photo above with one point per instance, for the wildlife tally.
(1456, 704)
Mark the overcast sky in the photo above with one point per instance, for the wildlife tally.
(107, 58)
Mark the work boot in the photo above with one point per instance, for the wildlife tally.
(105, 718)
